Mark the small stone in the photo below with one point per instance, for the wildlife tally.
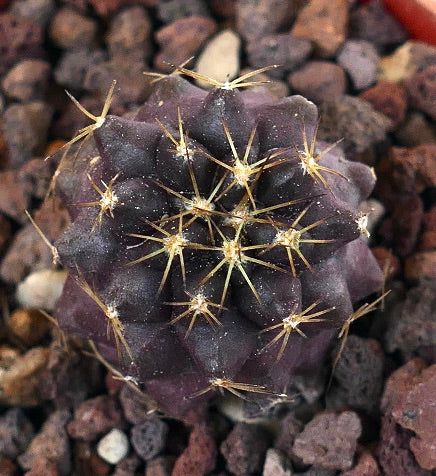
(20, 380)
(16, 432)
(405, 61)
(69, 29)
(94, 417)
(28, 252)
(39, 11)
(128, 466)
(160, 466)
(113, 447)
(319, 81)
(27, 80)
(43, 467)
(74, 64)
(276, 464)
(358, 376)
(428, 236)
(244, 449)
(416, 130)
(42, 289)
(200, 455)
(355, 121)
(37, 173)
(421, 89)
(359, 59)
(255, 20)
(219, 59)
(283, 49)
(279, 89)
(149, 437)
(29, 325)
(170, 11)
(19, 39)
(129, 35)
(325, 23)
(388, 262)
(25, 128)
(134, 407)
(290, 427)
(389, 99)
(420, 266)
(329, 440)
(14, 195)
(51, 443)
(372, 22)
(182, 39)
(411, 327)
(366, 466)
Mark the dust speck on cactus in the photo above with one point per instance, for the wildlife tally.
(215, 243)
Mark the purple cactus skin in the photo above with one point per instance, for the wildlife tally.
(228, 258)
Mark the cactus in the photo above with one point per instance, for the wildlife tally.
(215, 243)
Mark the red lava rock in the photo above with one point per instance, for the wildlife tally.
(420, 266)
(68, 29)
(200, 455)
(16, 432)
(73, 66)
(28, 251)
(43, 467)
(366, 466)
(224, 8)
(129, 35)
(7, 467)
(329, 440)
(20, 377)
(94, 417)
(50, 443)
(14, 195)
(325, 23)
(415, 410)
(319, 80)
(358, 377)
(290, 426)
(134, 407)
(25, 129)
(393, 451)
(244, 449)
(372, 22)
(87, 462)
(416, 130)
(19, 39)
(254, 20)
(27, 80)
(5, 232)
(355, 121)
(38, 173)
(149, 437)
(160, 466)
(172, 10)
(128, 466)
(284, 49)
(181, 39)
(421, 89)
(359, 59)
(389, 99)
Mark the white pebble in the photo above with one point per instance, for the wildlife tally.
(41, 289)
(220, 58)
(113, 447)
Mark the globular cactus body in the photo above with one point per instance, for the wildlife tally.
(215, 243)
